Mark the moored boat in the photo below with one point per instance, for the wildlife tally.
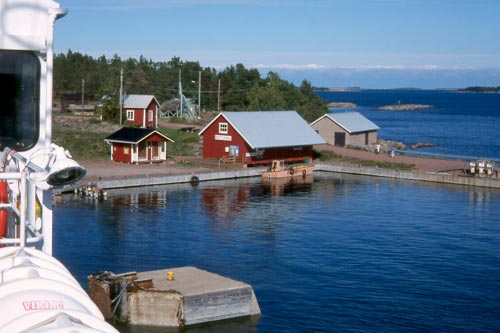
(278, 169)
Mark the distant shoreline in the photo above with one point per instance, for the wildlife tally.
(494, 90)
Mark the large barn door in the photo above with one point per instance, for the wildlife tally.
(339, 139)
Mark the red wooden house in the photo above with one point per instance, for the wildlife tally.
(141, 110)
(138, 145)
(260, 137)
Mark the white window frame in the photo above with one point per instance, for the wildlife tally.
(223, 128)
(130, 114)
(150, 115)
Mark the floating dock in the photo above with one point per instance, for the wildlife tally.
(174, 297)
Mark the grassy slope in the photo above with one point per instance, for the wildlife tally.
(85, 139)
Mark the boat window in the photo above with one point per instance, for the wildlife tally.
(19, 99)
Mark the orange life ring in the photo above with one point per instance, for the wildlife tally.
(4, 198)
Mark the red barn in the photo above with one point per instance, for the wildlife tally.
(141, 110)
(138, 145)
(260, 137)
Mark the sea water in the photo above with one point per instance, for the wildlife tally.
(337, 254)
(461, 124)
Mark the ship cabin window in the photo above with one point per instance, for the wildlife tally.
(223, 128)
(19, 99)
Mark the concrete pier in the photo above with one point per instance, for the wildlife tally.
(444, 178)
(173, 297)
(176, 179)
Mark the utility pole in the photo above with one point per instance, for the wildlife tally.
(199, 94)
(181, 96)
(218, 97)
(83, 99)
(121, 95)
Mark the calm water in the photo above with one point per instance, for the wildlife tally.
(340, 254)
(465, 124)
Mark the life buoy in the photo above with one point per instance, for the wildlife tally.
(292, 171)
(304, 173)
(4, 198)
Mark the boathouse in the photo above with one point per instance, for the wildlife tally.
(138, 145)
(258, 137)
(141, 110)
(346, 128)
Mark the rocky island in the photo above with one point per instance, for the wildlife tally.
(341, 105)
(405, 107)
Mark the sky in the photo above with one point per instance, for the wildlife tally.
(330, 43)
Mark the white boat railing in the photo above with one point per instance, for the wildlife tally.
(23, 232)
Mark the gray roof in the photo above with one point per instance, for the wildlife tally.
(138, 101)
(352, 122)
(267, 129)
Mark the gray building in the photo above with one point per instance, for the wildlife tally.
(346, 128)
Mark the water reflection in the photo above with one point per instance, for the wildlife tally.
(287, 186)
(225, 204)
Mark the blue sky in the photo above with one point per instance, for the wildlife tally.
(365, 43)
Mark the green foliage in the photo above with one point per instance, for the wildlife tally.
(241, 89)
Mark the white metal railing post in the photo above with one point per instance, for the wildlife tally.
(22, 211)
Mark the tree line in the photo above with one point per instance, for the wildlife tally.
(235, 88)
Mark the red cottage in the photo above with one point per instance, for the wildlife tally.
(138, 145)
(260, 137)
(141, 110)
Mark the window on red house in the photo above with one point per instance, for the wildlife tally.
(223, 128)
